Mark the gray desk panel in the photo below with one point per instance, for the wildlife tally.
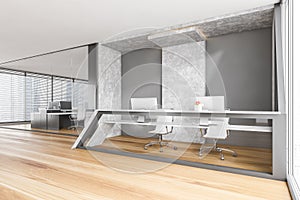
(57, 122)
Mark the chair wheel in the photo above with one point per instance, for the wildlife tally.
(146, 148)
(234, 155)
(222, 157)
(175, 148)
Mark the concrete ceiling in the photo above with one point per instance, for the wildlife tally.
(247, 20)
(34, 27)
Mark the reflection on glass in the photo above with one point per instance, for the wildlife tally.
(29, 86)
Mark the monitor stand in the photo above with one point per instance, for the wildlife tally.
(141, 119)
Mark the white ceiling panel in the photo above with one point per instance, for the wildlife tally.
(31, 27)
(71, 63)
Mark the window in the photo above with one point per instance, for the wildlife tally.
(38, 92)
(80, 89)
(22, 93)
(12, 96)
(62, 89)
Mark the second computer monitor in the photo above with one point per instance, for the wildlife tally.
(64, 105)
(53, 105)
(212, 103)
(143, 103)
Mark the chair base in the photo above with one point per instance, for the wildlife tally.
(76, 124)
(161, 143)
(74, 127)
(71, 127)
(220, 150)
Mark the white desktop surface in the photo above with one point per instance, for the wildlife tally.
(62, 113)
(190, 111)
(251, 128)
(174, 124)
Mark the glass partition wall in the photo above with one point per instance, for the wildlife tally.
(293, 88)
(23, 93)
(28, 87)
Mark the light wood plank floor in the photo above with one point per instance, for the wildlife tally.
(42, 166)
(255, 159)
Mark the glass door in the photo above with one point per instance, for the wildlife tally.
(293, 63)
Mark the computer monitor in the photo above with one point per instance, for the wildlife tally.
(143, 104)
(65, 105)
(53, 105)
(212, 103)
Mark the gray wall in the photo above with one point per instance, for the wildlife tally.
(244, 61)
(141, 77)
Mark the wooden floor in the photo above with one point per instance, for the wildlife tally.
(27, 126)
(255, 159)
(42, 166)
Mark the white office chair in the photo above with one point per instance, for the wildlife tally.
(79, 117)
(216, 131)
(162, 129)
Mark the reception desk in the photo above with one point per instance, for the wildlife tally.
(98, 128)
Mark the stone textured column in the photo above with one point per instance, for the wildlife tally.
(183, 79)
(109, 83)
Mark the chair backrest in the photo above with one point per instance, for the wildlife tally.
(74, 115)
(164, 122)
(81, 112)
(43, 111)
(218, 128)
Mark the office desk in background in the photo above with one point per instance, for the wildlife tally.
(38, 120)
(50, 119)
(56, 121)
